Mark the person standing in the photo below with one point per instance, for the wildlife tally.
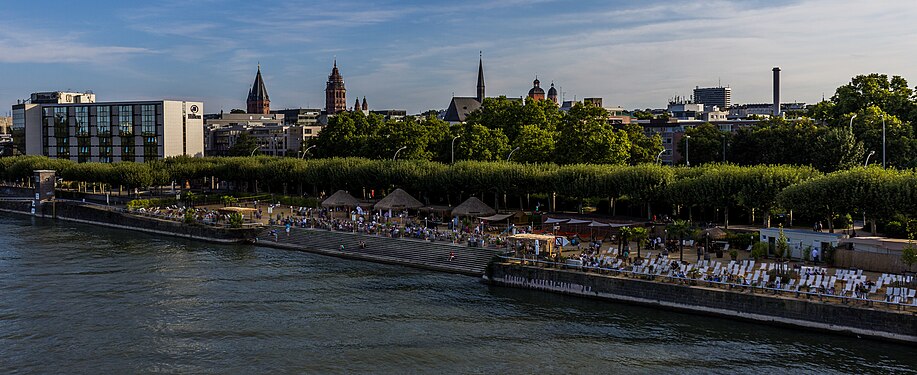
(815, 255)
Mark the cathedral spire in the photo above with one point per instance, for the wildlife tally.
(365, 106)
(480, 95)
(258, 100)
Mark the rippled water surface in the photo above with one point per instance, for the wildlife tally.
(80, 299)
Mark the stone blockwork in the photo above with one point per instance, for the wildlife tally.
(811, 314)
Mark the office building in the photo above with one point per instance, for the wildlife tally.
(720, 97)
(73, 126)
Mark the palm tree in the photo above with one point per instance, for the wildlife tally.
(639, 234)
(680, 229)
(624, 236)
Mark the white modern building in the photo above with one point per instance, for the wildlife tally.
(83, 130)
(800, 241)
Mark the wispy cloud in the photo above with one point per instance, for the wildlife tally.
(40, 47)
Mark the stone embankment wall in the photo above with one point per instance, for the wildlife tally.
(93, 214)
(810, 314)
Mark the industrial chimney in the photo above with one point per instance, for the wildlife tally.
(777, 92)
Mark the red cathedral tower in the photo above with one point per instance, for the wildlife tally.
(258, 101)
(335, 93)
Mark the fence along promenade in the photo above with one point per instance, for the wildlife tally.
(814, 282)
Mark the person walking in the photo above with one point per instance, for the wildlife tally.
(815, 255)
(451, 256)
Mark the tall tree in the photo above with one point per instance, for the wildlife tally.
(705, 145)
(586, 137)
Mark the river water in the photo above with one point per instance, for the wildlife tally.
(80, 299)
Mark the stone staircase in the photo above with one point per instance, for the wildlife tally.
(410, 252)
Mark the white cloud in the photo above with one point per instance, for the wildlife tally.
(31, 45)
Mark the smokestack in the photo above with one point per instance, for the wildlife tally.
(776, 91)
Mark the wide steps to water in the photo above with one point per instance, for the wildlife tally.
(414, 252)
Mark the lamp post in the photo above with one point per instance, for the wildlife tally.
(659, 155)
(396, 152)
(883, 141)
(453, 148)
(253, 151)
(851, 122)
(871, 153)
(687, 151)
(724, 148)
(511, 153)
(305, 151)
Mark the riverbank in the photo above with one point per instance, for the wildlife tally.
(899, 326)
(848, 319)
(435, 256)
(93, 214)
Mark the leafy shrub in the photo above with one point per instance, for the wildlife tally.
(235, 220)
(759, 250)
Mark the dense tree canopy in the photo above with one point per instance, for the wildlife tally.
(542, 132)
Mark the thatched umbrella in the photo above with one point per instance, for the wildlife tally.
(398, 200)
(473, 207)
(340, 199)
(714, 233)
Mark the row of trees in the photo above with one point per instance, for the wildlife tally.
(539, 132)
(764, 189)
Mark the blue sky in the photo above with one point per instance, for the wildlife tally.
(415, 54)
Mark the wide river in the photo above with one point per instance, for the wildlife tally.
(80, 299)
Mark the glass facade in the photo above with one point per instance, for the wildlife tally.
(81, 121)
(126, 119)
(103, 120)
(107, 132)
(61, 132)
(148, 120)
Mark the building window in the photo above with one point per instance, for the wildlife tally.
(148, 120)
(103, 120)
(150, 148)
(81, 121)
(105, 150)
(126, 119)
(82, 149)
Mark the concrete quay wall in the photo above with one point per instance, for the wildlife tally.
(96, 215)
(809, 314)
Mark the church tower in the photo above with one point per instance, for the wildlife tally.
(258, 101)
(335, 93)
(480, 95)
(552, 93)
(365, 106)
(356, 105)
(536, 93)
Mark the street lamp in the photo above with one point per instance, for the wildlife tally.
(851, 122)
(396, 152)
(511, 153)
(659, 155)
(871, 153)
(724, 148)
(305, 151)
(883, 141)
(687, 151)
(453, 147)
(253, 151)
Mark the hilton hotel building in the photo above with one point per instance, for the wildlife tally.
(73, 126)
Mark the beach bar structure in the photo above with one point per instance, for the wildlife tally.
(541, 242)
